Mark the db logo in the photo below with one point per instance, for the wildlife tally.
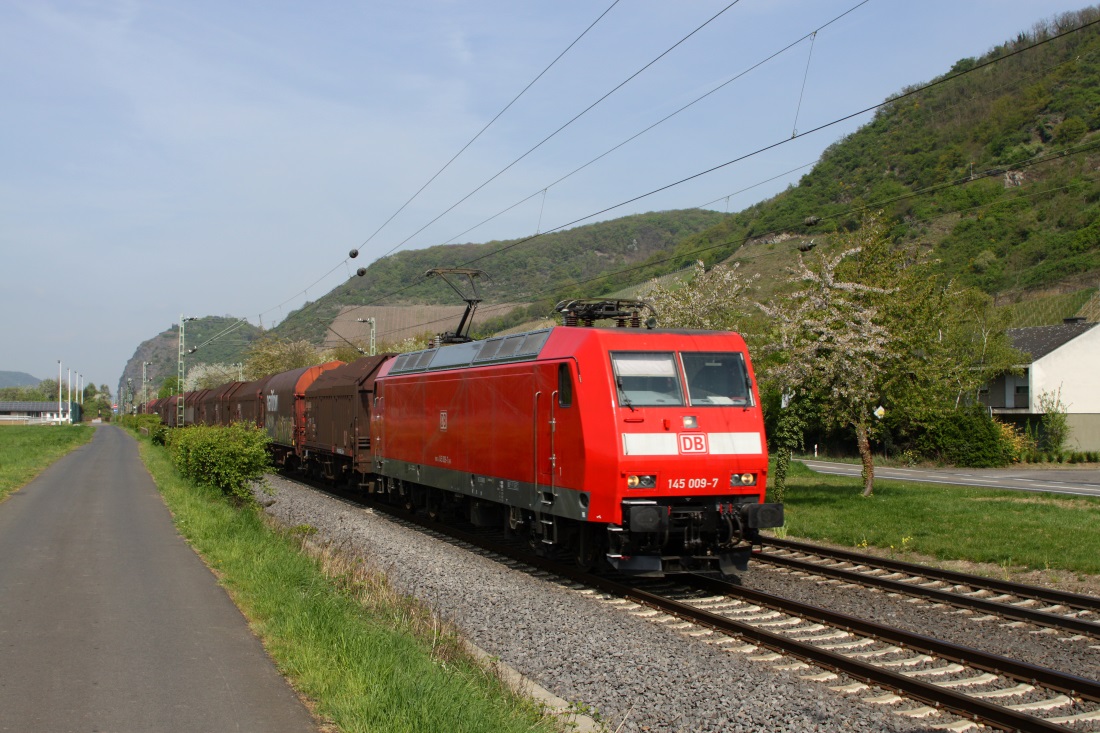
(693, 443)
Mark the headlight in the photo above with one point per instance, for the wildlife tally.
(743, 479)
(641, 482)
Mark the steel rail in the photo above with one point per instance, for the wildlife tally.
(1076, 600)
(1030, 615)
(1022, 671)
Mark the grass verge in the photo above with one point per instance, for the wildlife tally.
(26, 451)
(366, 658)
(1037, 531)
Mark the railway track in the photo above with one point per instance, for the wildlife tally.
(937, 676)
(1071, 613)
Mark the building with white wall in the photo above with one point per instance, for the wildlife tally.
(1063, 359)
(27, 413)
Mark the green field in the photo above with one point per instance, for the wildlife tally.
(25, 451)
(366, 658)
(1008, 528)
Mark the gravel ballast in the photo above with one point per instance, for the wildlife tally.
(634, 675)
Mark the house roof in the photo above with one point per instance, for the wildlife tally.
(22, 406)
(1041, 340)
(25, 406)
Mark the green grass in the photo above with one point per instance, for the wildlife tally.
(1038, 531)
(368, 658)
(26, 451)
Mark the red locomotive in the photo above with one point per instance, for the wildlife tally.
(645, 447)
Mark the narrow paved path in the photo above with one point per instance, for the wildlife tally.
(1083, 481)
(110, 622)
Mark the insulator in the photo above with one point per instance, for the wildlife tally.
(588, 322)
(635, 320)
(570, 319)
(620, 322)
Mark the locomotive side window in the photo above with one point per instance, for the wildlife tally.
(646, 379)
(717, 379)
(565, 386)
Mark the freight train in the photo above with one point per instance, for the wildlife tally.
(628, 446)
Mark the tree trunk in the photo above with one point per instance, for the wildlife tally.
(863, 440)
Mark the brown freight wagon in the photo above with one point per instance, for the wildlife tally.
(215, 409)
(246, 404)
(166, 408)
(283, 399)
(192, 406)
(338, 408)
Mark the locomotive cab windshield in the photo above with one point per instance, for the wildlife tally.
(652, 379)
(646, 379)
(717, 379)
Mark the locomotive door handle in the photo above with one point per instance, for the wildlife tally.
(553, 454)
(535, 438)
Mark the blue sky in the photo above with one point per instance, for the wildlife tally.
(219, 158)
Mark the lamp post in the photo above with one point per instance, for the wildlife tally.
(371, 322)
(58, 391)
(145, 384)
(180, 374)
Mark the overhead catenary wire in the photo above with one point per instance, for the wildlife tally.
(549, 137)
(805, 76)
(661, 121)
(488, 124)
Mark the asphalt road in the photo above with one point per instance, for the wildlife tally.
(1068, 480)
(110, 622)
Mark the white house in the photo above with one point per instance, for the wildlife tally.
(1063, 358)
(27, 413)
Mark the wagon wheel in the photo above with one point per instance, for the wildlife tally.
(513, 521)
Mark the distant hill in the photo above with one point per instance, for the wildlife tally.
(163, 350)
(528, 273)
(17, 379)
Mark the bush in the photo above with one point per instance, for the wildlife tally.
(227, 458)
(1055, 420)
(969, 437)
(137, 422)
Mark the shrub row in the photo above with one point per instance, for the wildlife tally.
(228, 458)
(1091, 456)
(137, 422)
